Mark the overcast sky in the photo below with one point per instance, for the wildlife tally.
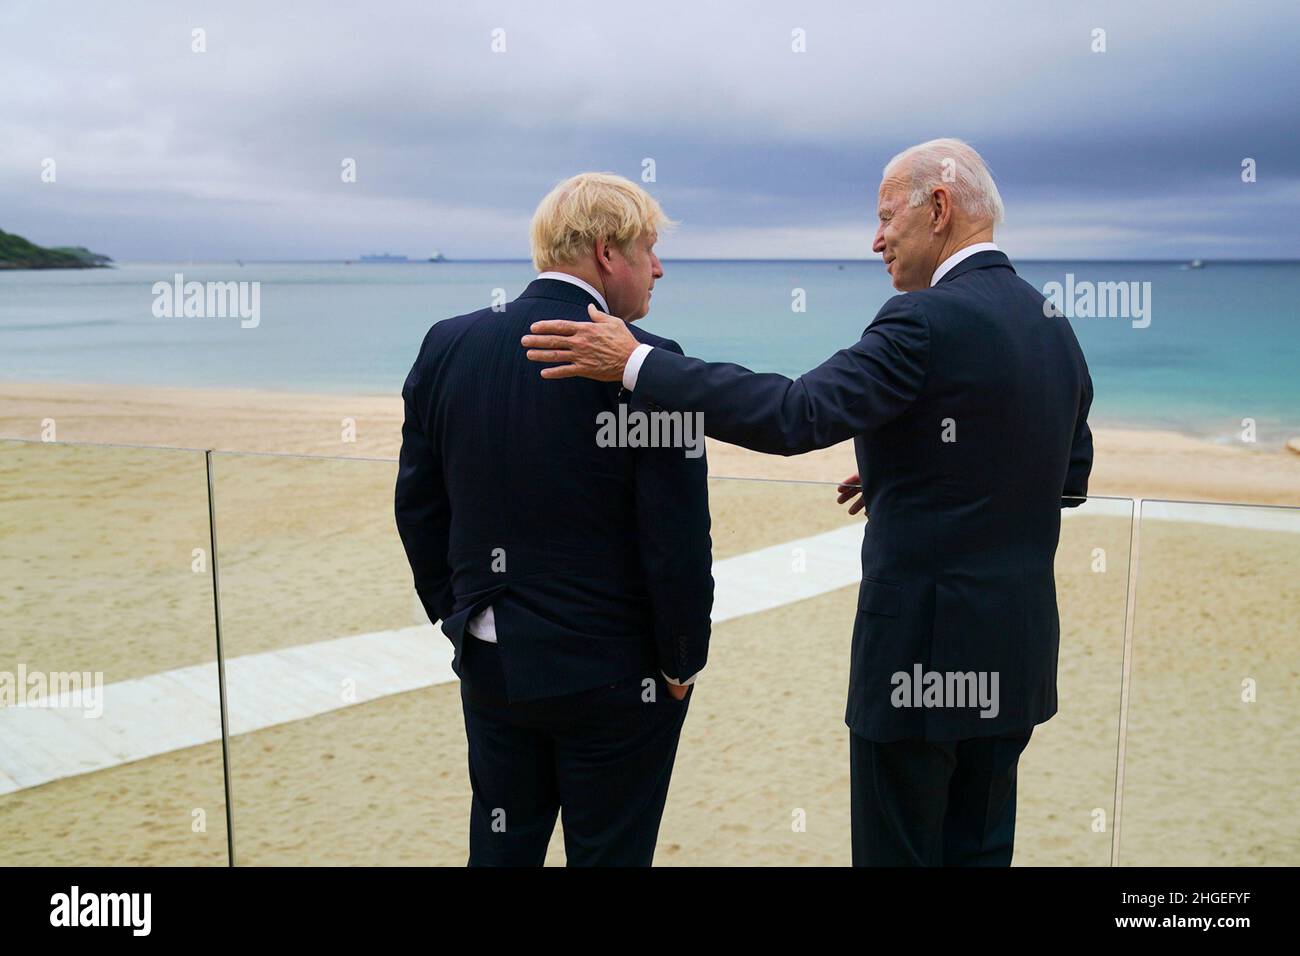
(164, 153)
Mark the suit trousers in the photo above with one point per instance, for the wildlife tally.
(602, 758)
(928, 803)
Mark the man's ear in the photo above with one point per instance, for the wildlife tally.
(940, 208)
(604, 260)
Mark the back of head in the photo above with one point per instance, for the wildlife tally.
(586, 207)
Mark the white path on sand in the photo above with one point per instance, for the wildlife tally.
(180, 708)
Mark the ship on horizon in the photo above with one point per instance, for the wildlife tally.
(435, 256)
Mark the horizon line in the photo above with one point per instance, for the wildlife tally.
(357, 260)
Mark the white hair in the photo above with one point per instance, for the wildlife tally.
(951, 163)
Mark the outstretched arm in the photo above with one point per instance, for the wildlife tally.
(856, 390)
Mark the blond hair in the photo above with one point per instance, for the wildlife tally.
(586, 207)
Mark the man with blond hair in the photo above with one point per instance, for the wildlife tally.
(575, 643)
(968, 402)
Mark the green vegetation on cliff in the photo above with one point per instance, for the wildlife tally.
(17, 253)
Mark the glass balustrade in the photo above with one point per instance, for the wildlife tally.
(1211, 758)
(346, 741)
(110, 722)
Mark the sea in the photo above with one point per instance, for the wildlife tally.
(1210, 351)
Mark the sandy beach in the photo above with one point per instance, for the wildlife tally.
(102, 542)
(1129, 463)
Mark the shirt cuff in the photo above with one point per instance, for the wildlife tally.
(633, 367)
(689, 680)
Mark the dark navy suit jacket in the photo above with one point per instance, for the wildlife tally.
(968, 408)
(596, 560)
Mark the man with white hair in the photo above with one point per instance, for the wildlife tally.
(968, 409)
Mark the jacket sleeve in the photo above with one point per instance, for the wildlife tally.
(422, 508)
(1076, 477)
(856, 390)
(672, 519)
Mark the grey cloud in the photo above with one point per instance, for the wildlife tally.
(236, 152)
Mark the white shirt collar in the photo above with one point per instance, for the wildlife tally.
(960, 255)
(581, 284)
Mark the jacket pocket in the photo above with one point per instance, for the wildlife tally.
(880, 597)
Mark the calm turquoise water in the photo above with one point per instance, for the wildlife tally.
(1223, 343)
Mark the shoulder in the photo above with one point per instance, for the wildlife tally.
(445, 331)
(938, 306)
(657, 341)
(456, 325)
(438, 339)
(935, 299)
(906, 314)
